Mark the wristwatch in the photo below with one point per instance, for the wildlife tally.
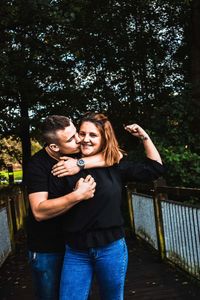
(80, 163)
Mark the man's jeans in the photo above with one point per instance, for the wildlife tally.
(108, 263)
(46, 271)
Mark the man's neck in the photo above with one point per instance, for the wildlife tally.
(53, 154)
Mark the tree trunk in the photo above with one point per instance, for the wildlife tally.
(196, 52)
(25, 134)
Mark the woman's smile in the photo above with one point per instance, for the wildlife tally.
(91, 140)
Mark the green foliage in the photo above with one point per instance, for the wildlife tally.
(4, 176)
(11, 151)
(130, 59)
(35, 146)
(183, 166)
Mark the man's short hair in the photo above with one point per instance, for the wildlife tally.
(51, 125)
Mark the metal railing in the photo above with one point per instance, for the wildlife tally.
(171, 227)
(13, 210)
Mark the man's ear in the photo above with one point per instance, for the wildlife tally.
(54, 147)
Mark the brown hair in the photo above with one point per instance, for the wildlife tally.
(50, 127)
(110, 147)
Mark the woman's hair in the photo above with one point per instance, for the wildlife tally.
(110, 148)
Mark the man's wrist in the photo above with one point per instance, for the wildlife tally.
(76, 196)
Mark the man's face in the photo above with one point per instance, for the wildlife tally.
(68, 140)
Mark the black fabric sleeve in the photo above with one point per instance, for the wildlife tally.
(37, 177)
(146, 171)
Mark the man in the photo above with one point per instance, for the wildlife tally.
(44, 233)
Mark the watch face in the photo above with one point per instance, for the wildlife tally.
(81, 163)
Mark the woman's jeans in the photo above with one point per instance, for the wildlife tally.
(46, 271)
(108, 263)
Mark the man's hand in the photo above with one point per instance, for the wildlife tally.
(85, 188)
(65, 167)
(68, 166)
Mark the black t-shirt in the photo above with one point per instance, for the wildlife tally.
(44, 236)
(98, 221)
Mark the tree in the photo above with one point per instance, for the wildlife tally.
(133, 58)
(33, 61)
(195, 71)
(130, 59)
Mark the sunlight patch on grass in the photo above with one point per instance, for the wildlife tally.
(4, 176)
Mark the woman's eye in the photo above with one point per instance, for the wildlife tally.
(81, 134)
(93, 135)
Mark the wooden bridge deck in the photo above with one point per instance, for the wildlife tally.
(147, 279)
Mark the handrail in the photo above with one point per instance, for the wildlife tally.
(171, 227)
(13, 210)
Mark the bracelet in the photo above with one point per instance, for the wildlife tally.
(143, 138)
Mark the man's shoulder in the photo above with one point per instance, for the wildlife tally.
(40, 159)
(39, 154)
(38, 168)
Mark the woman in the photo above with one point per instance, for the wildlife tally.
(93, 229)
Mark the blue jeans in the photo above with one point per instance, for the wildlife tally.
(46, 271)
(108, 263)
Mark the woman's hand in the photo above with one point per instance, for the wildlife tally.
(137, 131)
(65, 167)
(150, 148)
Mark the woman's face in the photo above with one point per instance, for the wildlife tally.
(91, 139)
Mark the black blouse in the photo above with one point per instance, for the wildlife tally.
(98, 221)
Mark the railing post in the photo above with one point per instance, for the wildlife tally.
(10, 223)
(130, 207)
(159, 219)
(10, 174)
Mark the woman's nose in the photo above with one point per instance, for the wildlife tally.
(86, 138)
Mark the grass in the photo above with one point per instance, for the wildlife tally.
(4, 176)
